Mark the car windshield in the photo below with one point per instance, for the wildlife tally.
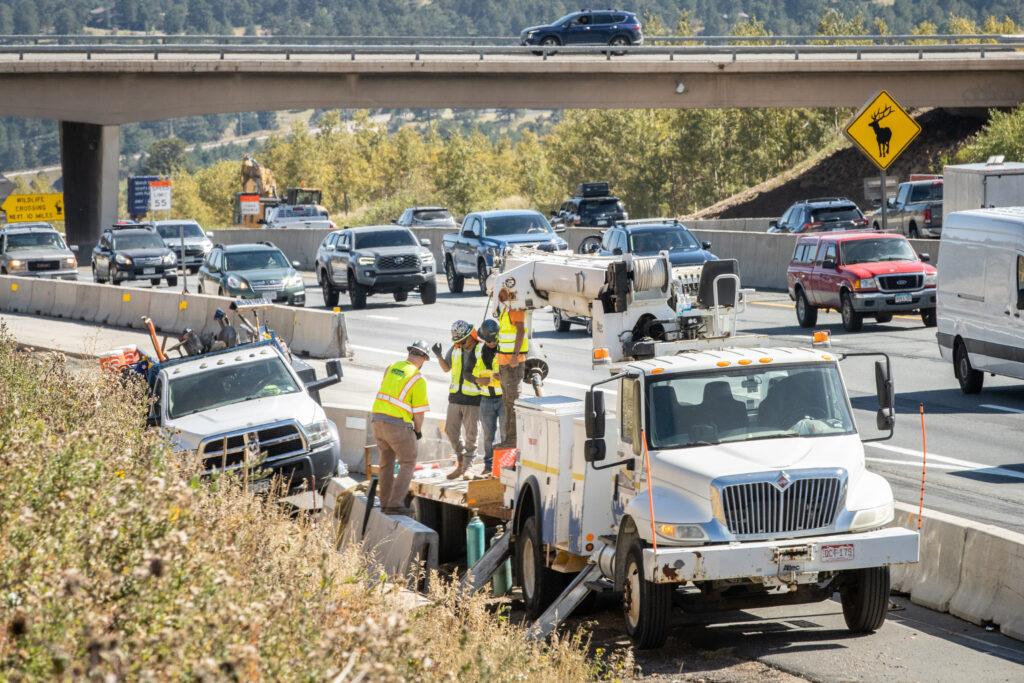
(595, 205)
(878, 249)
(432, 215)
(35, 240)
(142, 240)
(255, 260)
(650, 242)
(837, 213)
(926, 192)
(384, 238)
(174, 231)
(748, 404)
(230, 384)
(516, 224)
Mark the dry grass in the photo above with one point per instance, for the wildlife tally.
(117, 564)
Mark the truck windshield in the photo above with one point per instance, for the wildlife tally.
(880, 249)
(747, 404)
(223, 386)
(650, 242)
(384, 238)
(34, 240)
(518, 224)
(174, 231)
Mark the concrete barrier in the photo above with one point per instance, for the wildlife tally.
(17, 293)
(318, 333)
(354, 429)
(64, 298)
(934, 580)
(44, 292)
(134, 304)
(87, 301)
(992, 580)
(282, 320)
(169, 313)
(401, 546)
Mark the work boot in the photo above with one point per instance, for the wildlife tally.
(460, 467)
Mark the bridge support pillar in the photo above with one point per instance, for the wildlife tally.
(89, 156)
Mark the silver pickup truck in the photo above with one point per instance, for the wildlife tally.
(915, 211)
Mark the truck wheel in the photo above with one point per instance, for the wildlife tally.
(428, 292)
(914, 233)
(400, 296)
(645, 605)
(852, 320)
(330, 293)
(561, 324)
(865, 597)
(455, 281)
(971, 380)
(356, 293)
(806, 314)
(884, 318)
(928, 317)
(541, 586)
(95, 277)
(172, 281)
(481, 275)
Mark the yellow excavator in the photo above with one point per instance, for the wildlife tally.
(259, 193)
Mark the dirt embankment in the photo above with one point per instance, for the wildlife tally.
(841, 173)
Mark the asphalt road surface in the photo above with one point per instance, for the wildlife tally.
(975, 465)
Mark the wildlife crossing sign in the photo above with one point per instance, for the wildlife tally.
(882, 129)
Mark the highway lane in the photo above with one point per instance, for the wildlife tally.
(975, 464)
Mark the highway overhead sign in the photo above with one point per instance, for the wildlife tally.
(882, 129)
(25, 208)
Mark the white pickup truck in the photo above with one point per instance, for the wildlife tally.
(248, 407)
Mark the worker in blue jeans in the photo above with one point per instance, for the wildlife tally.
(492, 407)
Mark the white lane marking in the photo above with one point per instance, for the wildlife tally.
(911, 463)
(576, 385)
(382, 317)
(1005, 409)
(966, 464)
(377, 350)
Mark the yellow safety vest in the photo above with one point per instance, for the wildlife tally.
(396, 397)
(507, 333)
(468, 388)
(481, 369)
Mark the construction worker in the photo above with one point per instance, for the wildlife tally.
(397, 423)
(513, 345)
(486, 372)
(463, 395)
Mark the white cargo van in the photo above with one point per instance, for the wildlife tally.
(981, 295)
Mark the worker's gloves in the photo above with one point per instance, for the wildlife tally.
(437, 349)
(419, 435)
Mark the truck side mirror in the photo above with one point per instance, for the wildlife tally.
(334, 368)
(296, 264)
(424, 242)
(773, 224)
(885, 418)
(926, 257)
(617, 251)
(830, 264)
(74, 248)
(706, 246)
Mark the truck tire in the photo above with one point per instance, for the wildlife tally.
(971, 380)
(329, 292)
(455, 281)
(172, 281)
(913, 232)
(541, 586)
(481, 275)
(561, 324)
(95, 276)
(865, 598)
(428, 292)
(852, 320)
(356, 293)
(646, 606)
(806, 314)
(928, 317)
(452, 533)
(400, 296)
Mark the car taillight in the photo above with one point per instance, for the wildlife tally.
(860, 221)
(928, 215)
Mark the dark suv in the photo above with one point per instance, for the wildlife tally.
(587, 27)
(592, 207)
(385, 259)
(820, 215)
(130, 251)
(426, 217)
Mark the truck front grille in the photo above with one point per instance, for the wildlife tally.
(43, 265)
(409, 262)
(895, 283)
(762, 508)
(266, 445)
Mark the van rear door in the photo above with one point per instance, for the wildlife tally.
(996, 344)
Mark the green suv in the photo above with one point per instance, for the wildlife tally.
(252, 271)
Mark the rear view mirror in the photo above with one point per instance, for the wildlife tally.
(425, 242)
(885, 418)
(706, 246)
(926, 257)
(296, 264)
(334, 368)
(593, 414)
(74, 248)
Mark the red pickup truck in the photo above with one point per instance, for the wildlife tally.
(860, 274)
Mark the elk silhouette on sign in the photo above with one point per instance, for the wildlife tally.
(882, 135)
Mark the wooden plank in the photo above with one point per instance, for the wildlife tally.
(481, 492)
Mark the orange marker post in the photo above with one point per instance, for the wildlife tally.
(650, 490)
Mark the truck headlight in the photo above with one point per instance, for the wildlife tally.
(123, 260)
(169, 259)
(70, 262)
(16, 265)
(872, 518)
(865, 283)
(293, 281)
(317, 433)
(931, 279)
(367, 260)
(207, 245)
(692, 533)
(235, 282)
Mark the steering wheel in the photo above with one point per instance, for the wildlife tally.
(808, 412)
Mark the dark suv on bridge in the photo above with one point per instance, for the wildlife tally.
(587, 27)
(824, 214)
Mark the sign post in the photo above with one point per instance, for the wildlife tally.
(882, 130)
(25, 208)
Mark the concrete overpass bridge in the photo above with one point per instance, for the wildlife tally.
(93, 88)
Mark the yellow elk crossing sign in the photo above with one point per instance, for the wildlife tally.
(882, 130)
(25, 208)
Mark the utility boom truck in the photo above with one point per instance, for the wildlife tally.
(731, 474)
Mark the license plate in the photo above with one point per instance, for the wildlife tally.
(149, 271)
(602, 222)
(840, 552)
(904, 298)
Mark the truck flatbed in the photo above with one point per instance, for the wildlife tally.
(484, 495)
